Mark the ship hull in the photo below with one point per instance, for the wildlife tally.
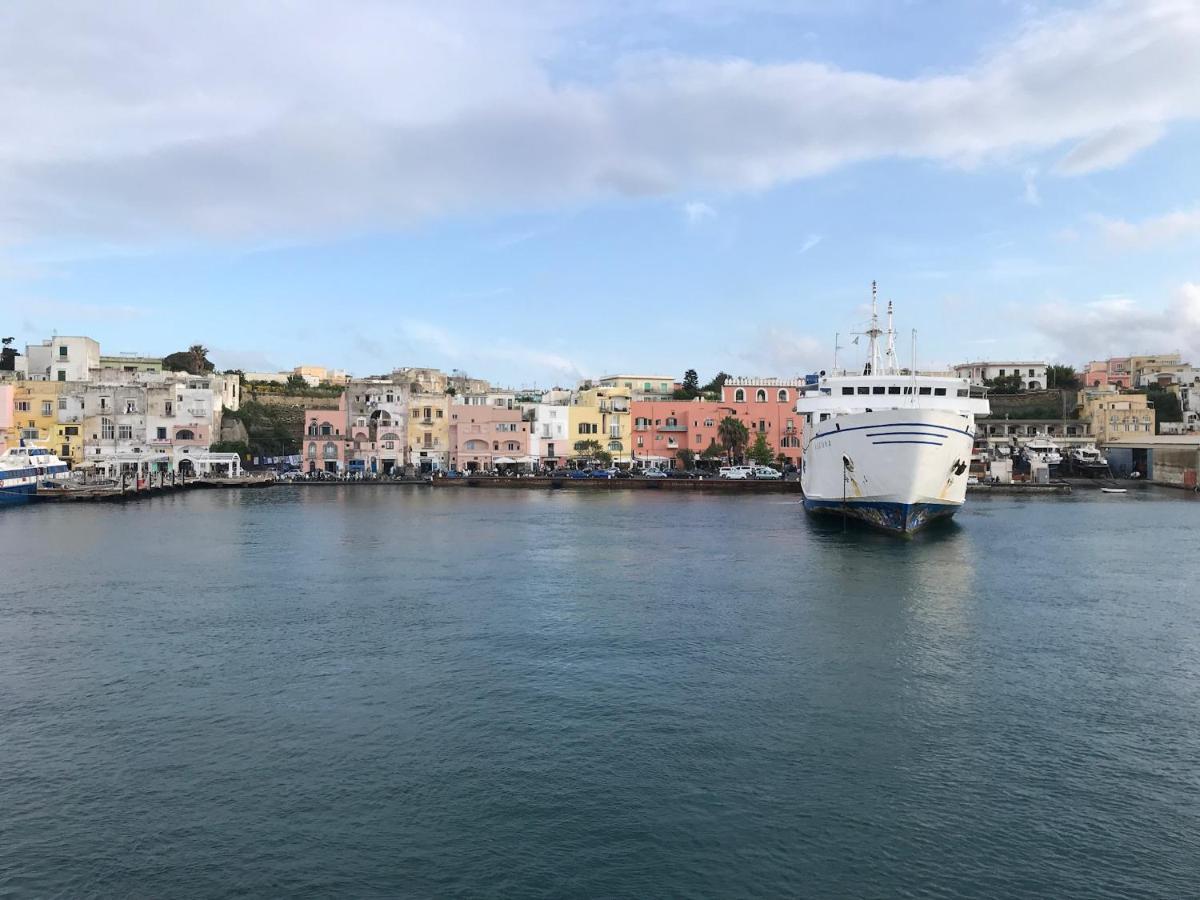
(15, 494)
(897, 469)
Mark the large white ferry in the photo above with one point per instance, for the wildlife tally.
(23, 468)
(887, 446)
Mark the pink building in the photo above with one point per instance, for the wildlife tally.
(1114, 372)
(765, 405)
(324, 443)
(480, 435)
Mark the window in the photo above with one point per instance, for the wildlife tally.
(71, 431)
(1001, 373)
(847, 390)
(326, 428)
(1031, 373)
(22, 406)
(878, 389)
(708, 423)
(62, 352)
(62, 374)
(893, 388)
(125, 432)
(185, 434)
(130, 407)
(161, 434)
(963, 392)
(739, 396)
(29, 434)
(783, 396)
(106, 429)
(312, 451)
(647, 386)
(47, 407)
(924, 392)
(761, 396)
(864, 390)
(62, 402)
(104, 403)
(939, 392)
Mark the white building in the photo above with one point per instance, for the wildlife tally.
(61, 358)
(1033, 374)
(549, 433)
(641, 387)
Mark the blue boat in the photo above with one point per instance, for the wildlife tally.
(23, 468)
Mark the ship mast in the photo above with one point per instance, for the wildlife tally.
(873, 333)
(891, 366)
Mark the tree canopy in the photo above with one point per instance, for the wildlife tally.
(194, 360)
(760, 451)
(734, 436)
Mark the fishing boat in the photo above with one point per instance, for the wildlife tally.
(1088, 461)
(887, 446)
(23, 468)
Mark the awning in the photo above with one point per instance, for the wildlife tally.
(503, 461)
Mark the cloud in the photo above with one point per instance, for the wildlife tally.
(1152, 232)
(1108, 150)
(696, 212)
(140, 123)
(428, 338)
(246, 360)
(1031, 196)
(809, 242)
(781, 352)
(1120, 326)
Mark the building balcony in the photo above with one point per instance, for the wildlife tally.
(672, 428)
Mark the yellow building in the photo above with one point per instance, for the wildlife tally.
(1115, 416)
(35, 416)
(601, 414)
(429, 431)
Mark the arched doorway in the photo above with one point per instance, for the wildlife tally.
(187, 468)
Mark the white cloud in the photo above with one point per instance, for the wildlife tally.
(780, 352)
(809, 242)
(1152, 232)
(133, 121)
(1032, 196)
(696, 212)
(427, 338)
(1119, 326)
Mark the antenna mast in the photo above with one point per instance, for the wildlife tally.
(873, 333)
(891, 366)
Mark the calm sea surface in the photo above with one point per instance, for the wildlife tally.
(402, 692)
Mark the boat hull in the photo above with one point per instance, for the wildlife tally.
(13, 495)
(897, 469)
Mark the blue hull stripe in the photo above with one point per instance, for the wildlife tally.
(903, 433)
(895, 425)
(930, 443)
(903, 518)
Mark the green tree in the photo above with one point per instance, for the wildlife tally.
(1005, 384)
(194, 360)
(760, 451)
(712, 451)
(1166, 405)
(687, 458)
(734, 436)
(1064, 378)
(603, 457)
(296, 383)
(713, 388)
(691, 382)
(587, 448)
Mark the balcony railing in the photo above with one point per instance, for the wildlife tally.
(672, 428)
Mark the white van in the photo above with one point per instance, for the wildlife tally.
(766, 472)
(738, 472)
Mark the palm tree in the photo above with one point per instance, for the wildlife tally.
(198, 359)
(734, 436)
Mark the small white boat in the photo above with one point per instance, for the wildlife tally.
(1113, 490)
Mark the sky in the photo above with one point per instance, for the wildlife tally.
(538, 192)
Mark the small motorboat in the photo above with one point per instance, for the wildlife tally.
(1113, 490)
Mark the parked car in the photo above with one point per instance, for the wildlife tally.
(654, 473)
(600, 473)
(560, 473)
(736, 472)
(766, 472)
(577, 473)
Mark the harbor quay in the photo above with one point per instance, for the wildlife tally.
(129, 424)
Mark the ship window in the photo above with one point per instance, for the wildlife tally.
(962, 392)
(864, 390)
(894, 389)
(925, 392)
(908, 390)
(847, 390)
(939, 392)
(824, 416)
(878, 389)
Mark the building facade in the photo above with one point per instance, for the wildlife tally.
(1115, 416)
(1032, 374)
(483, 437)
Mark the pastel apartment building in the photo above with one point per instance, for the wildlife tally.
(1031, 373)
(661, 429)
(482, 437)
